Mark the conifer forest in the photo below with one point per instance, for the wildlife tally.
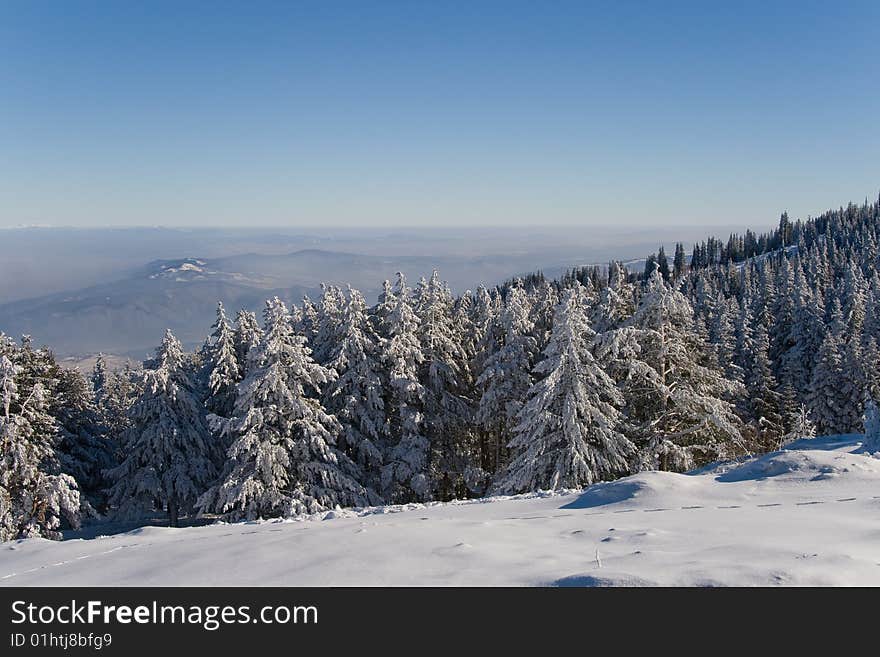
(736, 348)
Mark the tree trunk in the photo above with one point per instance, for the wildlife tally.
(173, 511)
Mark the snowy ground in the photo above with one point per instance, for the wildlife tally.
(806, 516)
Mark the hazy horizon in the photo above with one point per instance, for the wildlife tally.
(114, 290)
(74, 257)
(757, 223)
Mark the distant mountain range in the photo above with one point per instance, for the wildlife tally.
(84, 291)
(127, 317)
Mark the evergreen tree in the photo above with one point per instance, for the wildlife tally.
(247, 336)
(801, 427)
(381, 312)
(356, 395)
(328, 324)
(805, 338)
(616, 300)
(678, 262)
(282, 459)
(168, 453)
(677, 404)
(120, 392)
(542, 308)
(506, 378)
(466, 331)
(870, 365)
(405, 476)
(99, 377)
(744, 334)
(663, 264)
(224, 371)
(650, 265)
(854, 380)
(823, 393)
(723, 335)
(765, 401)
(35, 496)
(445, 379)
(85, 452)
(871, 443)
(485, 325)
(307, 321)
(568, 433)
(788, 402)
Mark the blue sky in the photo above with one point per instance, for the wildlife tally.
(435, 113)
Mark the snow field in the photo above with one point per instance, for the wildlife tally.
(804, 516)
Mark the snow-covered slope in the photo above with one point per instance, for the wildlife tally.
(809, 515)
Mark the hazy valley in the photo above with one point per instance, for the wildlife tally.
(115, 291)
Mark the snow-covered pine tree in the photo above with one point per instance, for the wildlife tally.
(678, 263)
(765, 300)
(705, 304)
(723, 336)
(872, 309)
(120, 392)
(744, 336)
(679, 407)
(801, 427)
(871, 367)
(380, 313)
(788, 401)
(783, 310)
(35, 496)
(282, 461)
(824, 390)
(446, 380)
(470, 323)
(851, 385)
(506, 378)
(761, 385)
(871, 442)
(223, 369)
(307, 320)
(405, 476)
(356, 396)
(168, 452)
(99, 377)
(328, 324)
(467, 333)
(854, 380)
(85, 451)
(663, 264)
(804, 337)
(616, 300)
(487, 327)
(542, 303)
(247, 336)
(198, 364)
(568, 433)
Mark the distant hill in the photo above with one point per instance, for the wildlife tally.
(83, 291)
(127, 317)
